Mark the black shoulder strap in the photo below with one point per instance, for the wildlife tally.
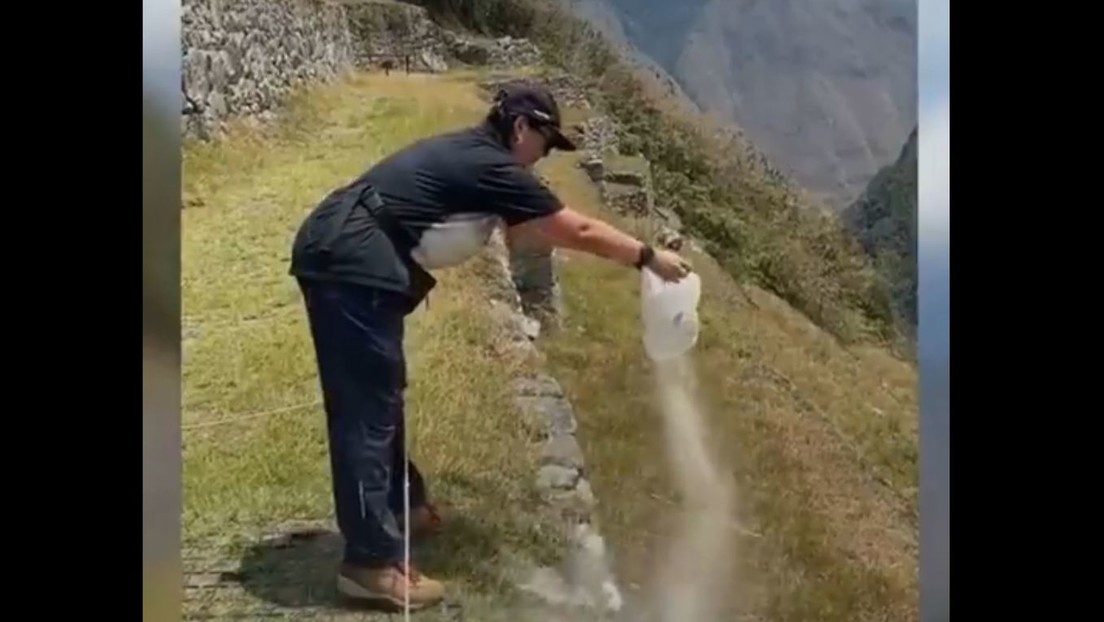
(421, 281)
(369, 198)
(402, 239)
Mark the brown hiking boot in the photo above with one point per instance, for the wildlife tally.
(388, 586)
(424, 521)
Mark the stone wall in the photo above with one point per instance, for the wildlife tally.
(567, 89)
(396, 36)
(599, 135)
(243, 57)
(586, 577)
(502, 52)
(532, 268)
(625, 182)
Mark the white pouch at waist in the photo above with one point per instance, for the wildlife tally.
(454, 241)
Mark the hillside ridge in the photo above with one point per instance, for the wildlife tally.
(827, 88)
(884, 220)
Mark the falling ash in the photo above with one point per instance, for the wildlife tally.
(694, 574)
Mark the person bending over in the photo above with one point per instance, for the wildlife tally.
(362, 259)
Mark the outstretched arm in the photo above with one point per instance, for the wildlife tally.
(568, 228)
(519, 197)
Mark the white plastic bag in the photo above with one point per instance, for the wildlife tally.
(454, 241)
(669, 312)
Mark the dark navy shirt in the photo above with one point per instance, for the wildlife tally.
(462, 181)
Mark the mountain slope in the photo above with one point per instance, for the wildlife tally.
(825, 88)
(606, 19)
(884, 220)
(821, 438)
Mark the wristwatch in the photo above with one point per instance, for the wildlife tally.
(646, 255)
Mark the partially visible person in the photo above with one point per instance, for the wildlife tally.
(363, 259)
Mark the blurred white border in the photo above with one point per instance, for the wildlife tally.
(933, 256)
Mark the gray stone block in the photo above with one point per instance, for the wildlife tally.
(554, 477)
(541, 385)
(628, 178)
(563, 451)
(594, 167)
(585, 493)
(574, 505)
(627, 199)
(555, 412)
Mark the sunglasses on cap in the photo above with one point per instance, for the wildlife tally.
(546, 130)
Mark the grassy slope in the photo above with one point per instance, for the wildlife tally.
(823, 441)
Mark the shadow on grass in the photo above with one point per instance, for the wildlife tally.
(296, 569)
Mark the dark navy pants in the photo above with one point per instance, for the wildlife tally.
(358, 341)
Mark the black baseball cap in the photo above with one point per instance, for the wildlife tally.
(538, 105)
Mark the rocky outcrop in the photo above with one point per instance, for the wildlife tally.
(670, 239)
(403, 37)
(594, 166)
(628, 199)
(568, 90)
(397, 36)
(243, 58)
(598, 135)
(626, 183)
(501, 52)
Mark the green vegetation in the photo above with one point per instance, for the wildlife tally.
(884, 219)
(749, 218)
(822, 441)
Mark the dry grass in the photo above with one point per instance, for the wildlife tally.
(247, 350)
(823, 441)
